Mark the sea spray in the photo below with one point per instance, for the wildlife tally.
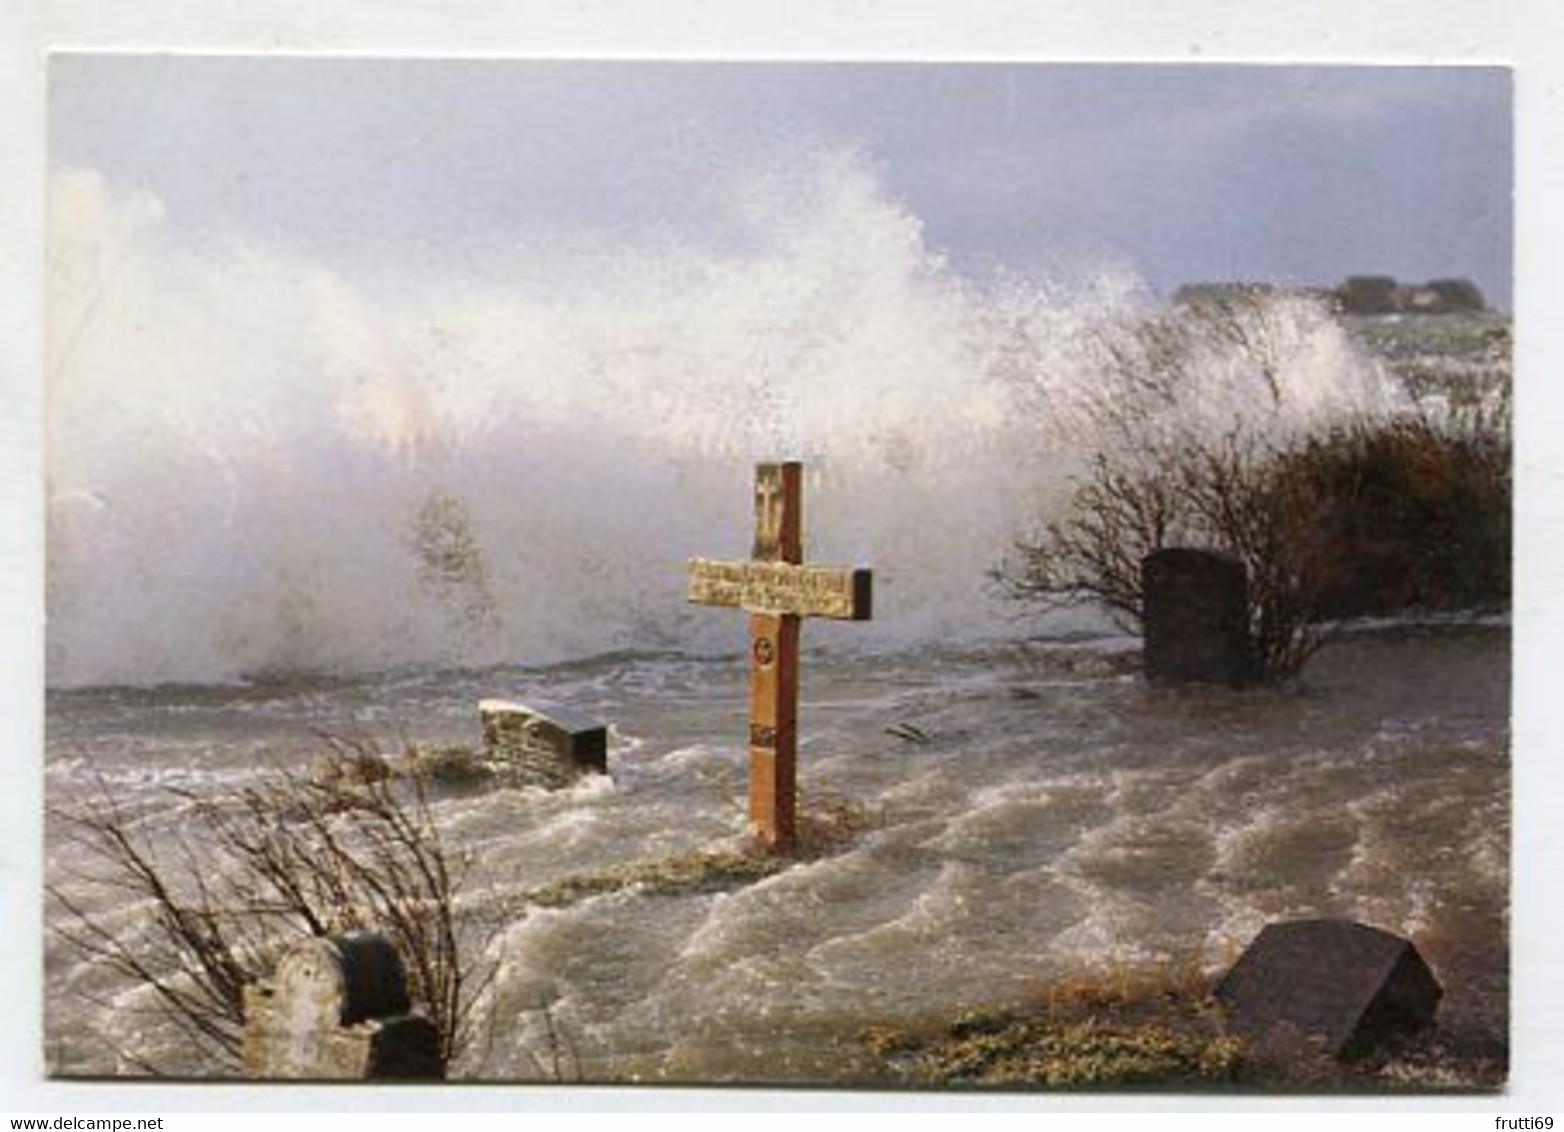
(258, 462)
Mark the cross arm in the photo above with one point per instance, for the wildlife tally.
(838, 592)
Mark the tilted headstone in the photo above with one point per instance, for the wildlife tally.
(1195, 618)
(1341, 986)
(338, 1010)
(543, 743)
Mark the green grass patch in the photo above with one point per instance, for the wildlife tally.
(1118, 1030)
(702, 870)
(1152, 1030)
(828, 827)
(1034, 1052)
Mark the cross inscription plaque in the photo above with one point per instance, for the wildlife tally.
(778, 591)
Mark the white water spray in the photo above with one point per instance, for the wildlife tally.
(261, 463)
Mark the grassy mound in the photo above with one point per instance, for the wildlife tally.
(1029, 1052)
(702, 870)
(827, 827)
(1156, 1031)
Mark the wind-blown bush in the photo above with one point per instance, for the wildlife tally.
(244, 875)
(1222, 495)
(1409, 515)
(1212, 432)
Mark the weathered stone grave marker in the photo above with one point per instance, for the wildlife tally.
(1195, 618)
(1339, 985)
(778, 591)
(338, 1010)
(541, 742)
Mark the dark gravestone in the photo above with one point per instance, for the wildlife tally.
(374, 982)
(543, 743)
(1341, 987)
(1195, 618)
(338, 1009)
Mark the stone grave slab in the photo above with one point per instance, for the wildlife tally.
(338, 1010)
(542, 742)
(1341, 986)
(1195, 618)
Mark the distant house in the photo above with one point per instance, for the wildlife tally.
(1381, 294)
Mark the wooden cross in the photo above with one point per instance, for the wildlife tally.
(778, 591)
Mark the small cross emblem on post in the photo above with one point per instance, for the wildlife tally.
(778, 591)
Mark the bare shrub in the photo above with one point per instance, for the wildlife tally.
(1198, 444)
(244, 875)
(1221, 494)
(1415, 514)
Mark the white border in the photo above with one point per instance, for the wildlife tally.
(1524, 33)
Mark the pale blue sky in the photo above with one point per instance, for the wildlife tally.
(1290, 174)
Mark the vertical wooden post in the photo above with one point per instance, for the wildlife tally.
(773, 723)
(779, 591)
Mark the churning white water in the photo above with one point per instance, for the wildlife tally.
(1060, 819)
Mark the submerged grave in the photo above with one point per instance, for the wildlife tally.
(1341, 987)
(338, 1009)
(1196, 618)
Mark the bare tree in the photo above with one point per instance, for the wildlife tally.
(1182, 460)
(346, 848)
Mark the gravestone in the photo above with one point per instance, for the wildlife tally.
(1340, 986)
(338, 1010)
(1195, 618)
(543, 743)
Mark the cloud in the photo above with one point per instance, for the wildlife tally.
(468, 165)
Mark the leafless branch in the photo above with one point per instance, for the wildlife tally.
(286, 857)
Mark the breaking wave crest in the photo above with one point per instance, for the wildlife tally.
(260, 462)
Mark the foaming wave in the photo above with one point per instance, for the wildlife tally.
(258, 462)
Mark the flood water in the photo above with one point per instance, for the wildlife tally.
(290, 494)
(1061, 817)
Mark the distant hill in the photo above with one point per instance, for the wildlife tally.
(1439, 338)
(1361, 295)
